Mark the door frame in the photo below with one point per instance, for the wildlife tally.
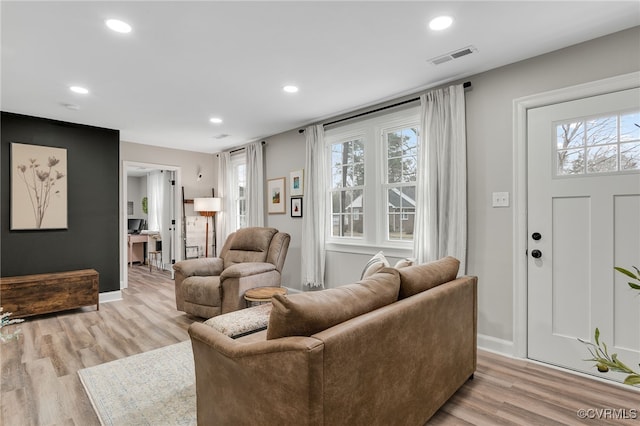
(177, 243)
(520, 208)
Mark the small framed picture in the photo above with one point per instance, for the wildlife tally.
(297, 183)
(296, 207)
(276, 196)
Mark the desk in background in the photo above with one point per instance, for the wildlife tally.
(137, 248)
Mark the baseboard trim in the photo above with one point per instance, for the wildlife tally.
(493, 344)
(110, 296)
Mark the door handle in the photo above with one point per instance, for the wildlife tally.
(536, 254)
(536, 236)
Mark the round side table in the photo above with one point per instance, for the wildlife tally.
(262, 294)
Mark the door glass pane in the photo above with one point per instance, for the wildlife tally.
(630, 127)
(570, 135)
(602, 130)
(630, 156)
(602, 159)
(571, 162)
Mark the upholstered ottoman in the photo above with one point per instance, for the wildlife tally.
(240, 323)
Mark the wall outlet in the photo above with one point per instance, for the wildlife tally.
(500, 199)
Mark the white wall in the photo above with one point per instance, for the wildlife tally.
(136, 191)
(490, 167)
(188, 161)
(284, 153)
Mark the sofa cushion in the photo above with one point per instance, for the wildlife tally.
(242, 322)
(304, 314)
(375, 264)
(418, 278)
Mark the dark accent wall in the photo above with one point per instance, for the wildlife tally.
(92, 237)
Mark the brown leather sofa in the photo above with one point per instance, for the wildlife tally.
(250, 257)
(388, 350)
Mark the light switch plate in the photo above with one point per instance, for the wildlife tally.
(500, 199)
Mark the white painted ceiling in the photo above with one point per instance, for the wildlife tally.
(185, 62)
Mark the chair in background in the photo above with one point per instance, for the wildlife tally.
(251, 257)
(155, 255)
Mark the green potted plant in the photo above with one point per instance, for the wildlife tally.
(600, 354)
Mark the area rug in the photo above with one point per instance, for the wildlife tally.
(151, 388)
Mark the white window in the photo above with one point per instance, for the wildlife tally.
(239, 193)
(347, 184)
(401, 149)
(605, 144)
(372, 166)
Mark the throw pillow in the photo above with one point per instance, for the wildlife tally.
(375, 264)
(418, 278)
(304, 314)
(403, 263)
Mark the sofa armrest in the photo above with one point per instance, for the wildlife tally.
(232, 376)
(201, 267)
(240, 270)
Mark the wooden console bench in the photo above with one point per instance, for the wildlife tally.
(45, 293)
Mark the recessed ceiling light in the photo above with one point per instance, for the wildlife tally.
(440, 23)
(290, 89)
(78, 89)
(216, 120)
(118, 26)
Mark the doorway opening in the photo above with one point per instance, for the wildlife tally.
(150, 217)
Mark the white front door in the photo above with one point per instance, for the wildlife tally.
(583, 219)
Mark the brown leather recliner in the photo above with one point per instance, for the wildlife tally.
(251, 257)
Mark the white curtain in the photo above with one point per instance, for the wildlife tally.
(255, 185)
(224, 220)
(155, 201)
(313, 221)
(441, 208)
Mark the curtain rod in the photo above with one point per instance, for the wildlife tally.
(465, 85)
(241, 148)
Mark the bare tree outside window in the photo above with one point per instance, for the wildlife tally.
(347, 198)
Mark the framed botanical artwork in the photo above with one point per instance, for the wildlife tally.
(297, 183)
(38, 187)
(276, 196)
(296, 207)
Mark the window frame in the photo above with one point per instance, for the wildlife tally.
(375, 217)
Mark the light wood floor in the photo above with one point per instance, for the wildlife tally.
(40, 385)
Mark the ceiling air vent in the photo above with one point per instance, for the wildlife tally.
(453, 55)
